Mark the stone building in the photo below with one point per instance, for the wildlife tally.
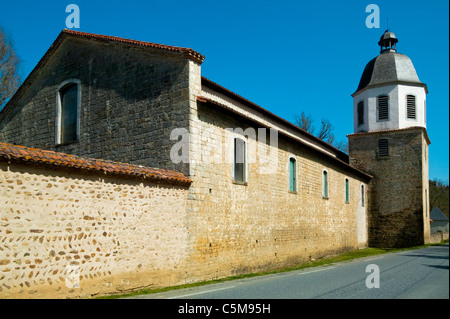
(260, 192)
(390, 142)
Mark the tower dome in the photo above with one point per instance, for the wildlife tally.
(390, 94)
(389, 67)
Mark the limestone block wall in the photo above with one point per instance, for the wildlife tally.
(262, 225)
(73, 234)
(399, 195)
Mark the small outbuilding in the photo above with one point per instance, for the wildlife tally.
(439, 225)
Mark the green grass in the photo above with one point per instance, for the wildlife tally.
(360, 253)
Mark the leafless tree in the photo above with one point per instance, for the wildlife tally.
(9, 63)
(326, 132)
(305, 122)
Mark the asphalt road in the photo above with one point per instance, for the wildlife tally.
(421, 274)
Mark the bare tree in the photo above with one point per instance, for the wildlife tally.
(9, 62)
(326, 132)
(305, 122)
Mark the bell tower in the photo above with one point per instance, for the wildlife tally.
(390, 142)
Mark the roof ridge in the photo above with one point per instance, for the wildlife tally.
(190, 52)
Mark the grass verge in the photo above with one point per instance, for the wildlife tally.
(360, 253)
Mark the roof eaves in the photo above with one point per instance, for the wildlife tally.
(394, 130)
(365, 176)
(54, 160)
(256, 107)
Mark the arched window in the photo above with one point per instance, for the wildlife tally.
(325, 184)
(383, 108)
(292, 174)
(68, 112)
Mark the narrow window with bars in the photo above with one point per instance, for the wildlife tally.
(383, 108)
(360, 112)
(411, 107)
(383, 147)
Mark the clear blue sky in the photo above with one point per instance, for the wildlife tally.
(287, 56)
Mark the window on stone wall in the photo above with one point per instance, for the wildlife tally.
(363, 199)
(347, 191)
(383, 147)
(325, 184)
(383, 108)
(360, 111)
(240, 161)
(292, 174)
(67, 114)
(411, 107)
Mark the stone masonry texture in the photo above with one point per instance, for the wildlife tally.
(124, 233)
(119, 234)
(131, 99)
(398, 214)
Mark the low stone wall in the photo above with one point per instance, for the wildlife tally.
(77, 233)
(438, 237)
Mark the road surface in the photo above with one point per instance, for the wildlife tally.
(422, 273)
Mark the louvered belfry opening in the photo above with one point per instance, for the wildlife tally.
(361, 113)
(383, 108)
(411, 107)
(383, 147)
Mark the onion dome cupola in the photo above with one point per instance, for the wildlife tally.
(390, 94)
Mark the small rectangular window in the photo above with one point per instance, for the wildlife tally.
(347, 191)
(383, 147)
(325, 184)
(360, 112)
(411, 107)
(239, 162)
(383, 108)
(292, 175)
(363, 200)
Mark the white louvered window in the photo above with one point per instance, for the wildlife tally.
(360, 112)
(383, 108)
(411, 107)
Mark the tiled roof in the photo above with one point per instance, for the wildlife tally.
(54, 160)
(187, 52)
(338, 160)
(207, 82)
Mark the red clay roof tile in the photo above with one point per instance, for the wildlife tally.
(54, 160)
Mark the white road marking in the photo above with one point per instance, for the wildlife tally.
(200, 293)
(309, 272)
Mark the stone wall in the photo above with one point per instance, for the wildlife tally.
(239, 228)
(399, 209)
(109, 233)
(131, 99)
